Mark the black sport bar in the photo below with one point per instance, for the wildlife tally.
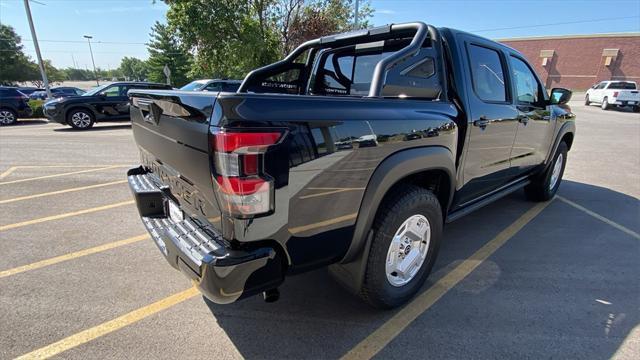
(421, 29)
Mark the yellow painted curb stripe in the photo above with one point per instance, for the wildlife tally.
(320, 224)
(61, 191)
(600, 217)
(58, 175)
(65, 215)
(109, 326)
(8, 172)
(382, 336)
(329, 192)
(73, 255)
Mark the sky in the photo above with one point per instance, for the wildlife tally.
(121, 27)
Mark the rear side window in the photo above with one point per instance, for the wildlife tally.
(487, 73)
(230, 87)
(622, 86)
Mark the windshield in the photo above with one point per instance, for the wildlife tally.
(194, 85)
(95, 90)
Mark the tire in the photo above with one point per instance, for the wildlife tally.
(605, 104)
(8, 117)
(636, 108)
(586, 101)
(545, 186)
(80, 119)
(410, 207)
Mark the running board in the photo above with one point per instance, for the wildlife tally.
(487, 200)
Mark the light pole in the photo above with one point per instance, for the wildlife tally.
(356, 15)
(35, 44)
(92, 61)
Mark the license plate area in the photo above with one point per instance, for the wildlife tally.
(174, 211)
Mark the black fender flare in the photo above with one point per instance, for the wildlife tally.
(566, 128)
(350, 270)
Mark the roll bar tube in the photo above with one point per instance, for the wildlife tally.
(377, 82)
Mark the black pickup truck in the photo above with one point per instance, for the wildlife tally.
(352, 153)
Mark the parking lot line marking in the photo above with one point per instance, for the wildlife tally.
(336, 220)
(600, 217)
(61, 191)
(8, 172)
(73, 255)
(65, 215)
(58, 175)
(110, 326)
(383, 335)
(330, 192)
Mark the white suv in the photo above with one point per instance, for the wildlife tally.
(614, 93)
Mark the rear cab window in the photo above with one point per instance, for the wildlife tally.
(622, 85)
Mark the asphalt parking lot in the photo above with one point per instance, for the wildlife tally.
(79, 278)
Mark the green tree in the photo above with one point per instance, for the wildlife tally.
(15, 65)
(165, 49)
(133, 69)
(232, 37)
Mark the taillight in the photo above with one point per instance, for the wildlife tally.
(615, 94)
(241, 183)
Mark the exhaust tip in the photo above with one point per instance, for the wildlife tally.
(271, 295)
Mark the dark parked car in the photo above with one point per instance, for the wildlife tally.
(63, 91)
(213, 85)
(28, 90)
(103, 103)
(240, 190)
(13, 105)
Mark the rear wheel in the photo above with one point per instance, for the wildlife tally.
(407, 233)
(8, 117)
(605, 104)
(636, 108)
(80, 119)
(586, 100)
(545, 186)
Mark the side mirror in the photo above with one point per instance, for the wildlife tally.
(560, 96)
(102, 94)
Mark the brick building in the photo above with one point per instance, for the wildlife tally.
(578, 61)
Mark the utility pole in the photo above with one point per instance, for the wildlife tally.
(45, 80)
(355, 21)
(92, 61)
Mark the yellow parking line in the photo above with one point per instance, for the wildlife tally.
(8, 172)
(329, 192)
(600, 217)
(110, 326)
(58, 175)
(65, 215)
(382, 336)
(61, 191)
(336, 220)
(67, 166)
(73, 255)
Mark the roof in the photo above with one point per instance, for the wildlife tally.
(577, 36)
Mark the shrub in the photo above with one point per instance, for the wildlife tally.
(36, 106)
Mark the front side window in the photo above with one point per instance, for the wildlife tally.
(112, 91)
(213, 87)
(487, 73)
(527, 87)
(601, 86)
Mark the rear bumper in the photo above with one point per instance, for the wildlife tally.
(223, 274)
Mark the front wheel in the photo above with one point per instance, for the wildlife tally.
(80, 119)
(545, 186)
(586, 100)
(407, 233)
(636, 108)
(605, 104)
(8, 117)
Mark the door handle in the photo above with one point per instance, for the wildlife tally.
(482, 122)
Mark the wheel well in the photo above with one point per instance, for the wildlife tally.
(66, 115)
(568, 139)
(436, 181)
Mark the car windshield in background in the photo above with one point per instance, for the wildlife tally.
(623, 86)
(194, 85)
(95, 90)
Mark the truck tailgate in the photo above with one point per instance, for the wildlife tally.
(171, 130)
(628, 95)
